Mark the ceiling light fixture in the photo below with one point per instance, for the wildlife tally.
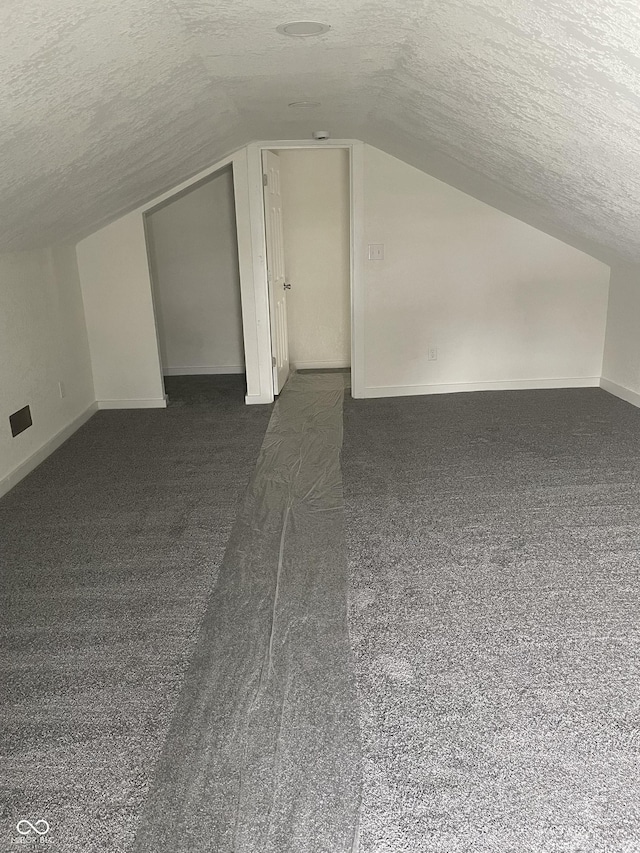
(304, 105)
(303, 29)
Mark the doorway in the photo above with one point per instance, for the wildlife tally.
(193, 258)
(307, 204)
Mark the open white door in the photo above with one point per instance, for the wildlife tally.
(275, 269)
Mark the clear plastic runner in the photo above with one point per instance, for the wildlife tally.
(263, 753)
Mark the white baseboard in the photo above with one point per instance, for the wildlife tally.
(457, 387)
(319, 365)
(203, 369)
(26, 467)
(620, 391)
(153, 403)
(257, 399)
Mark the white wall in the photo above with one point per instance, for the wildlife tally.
(116, 290)
(44, 342)
(621, 364)
(194, 261)
(315, 198)
(505, 305)
(116, 287)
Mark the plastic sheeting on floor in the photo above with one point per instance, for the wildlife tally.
(264, 749)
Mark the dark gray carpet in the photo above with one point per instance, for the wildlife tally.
(205, 389)
(108, 554)
(494, 542)
(263, 755)
(494, 546)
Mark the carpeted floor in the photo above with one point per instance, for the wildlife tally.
(204, 389)
(263, 753)
(108, 554)
(494, 544)
(494, 555)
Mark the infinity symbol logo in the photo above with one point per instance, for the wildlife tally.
(25, 827)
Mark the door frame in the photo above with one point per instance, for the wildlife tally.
(356, 228)
(166, 200)
(246, 164)
(255, 331)
(276, 267)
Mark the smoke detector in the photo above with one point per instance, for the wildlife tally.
(320, 134)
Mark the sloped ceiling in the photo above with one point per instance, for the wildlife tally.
(531, 105)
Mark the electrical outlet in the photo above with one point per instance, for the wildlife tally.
(61, 389)
(433, 354)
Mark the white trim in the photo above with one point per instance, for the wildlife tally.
(357, 270)
(258, 399)
(620, 391)
(258, 249)
(203, 369)
(502, 385)
(152, 290)
(305, 143)
(38, 456)
(257, 368)
(150, 206)
(258, 374)
(152, 403)
(320, 365)
(246, 164)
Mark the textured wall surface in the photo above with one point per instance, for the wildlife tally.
(532, 105)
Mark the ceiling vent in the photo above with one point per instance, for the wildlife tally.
(303, 29)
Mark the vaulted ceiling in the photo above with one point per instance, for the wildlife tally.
(531, 105)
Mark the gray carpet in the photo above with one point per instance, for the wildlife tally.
(108, 554)
(494, 551)
(494, 544)
(263, 755)
(205, 389)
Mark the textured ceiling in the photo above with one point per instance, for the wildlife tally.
(531, 105)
